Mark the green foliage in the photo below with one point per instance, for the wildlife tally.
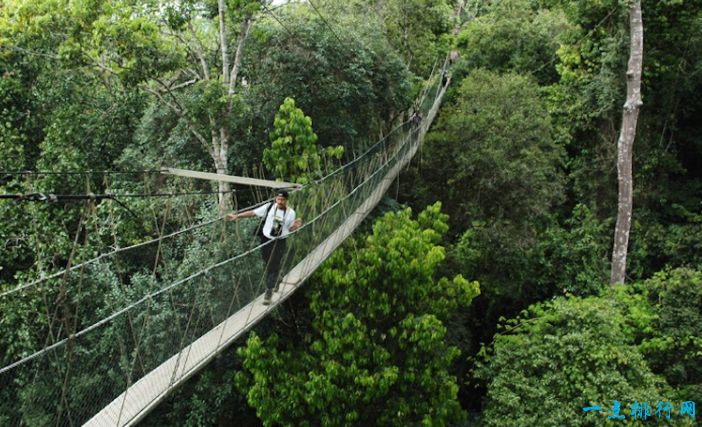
(658, 242)
(11, 124)
(575, 259)
(516, 272)
(395, 272)
(62, 116)
(513, 36)
(72, 76)
(294, 155)
(490, 157)
(163, 139)
(559, 357)
(672, 344)
(586, 104)
(376, 352)
(131, 44)
(16, 252)
(354, 90)
(418, 29)
(590, 67)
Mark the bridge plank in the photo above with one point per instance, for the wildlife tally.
(229, 178)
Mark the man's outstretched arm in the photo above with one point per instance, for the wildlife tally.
(234, 216)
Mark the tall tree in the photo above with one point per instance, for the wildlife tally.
(625, 144)
(182, 53)
(220, 85)
(491, 155)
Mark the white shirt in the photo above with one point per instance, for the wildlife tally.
(277, 216)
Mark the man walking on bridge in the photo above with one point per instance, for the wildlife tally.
(278, 221)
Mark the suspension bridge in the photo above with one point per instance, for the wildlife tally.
(116, 333)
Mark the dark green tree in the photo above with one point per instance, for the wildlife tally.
(558, 357)
(517, 36)
(354, 89)
(491, 157)
(671, 343)
(418, 29)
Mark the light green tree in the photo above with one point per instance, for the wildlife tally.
(294, 154)
(375, 352)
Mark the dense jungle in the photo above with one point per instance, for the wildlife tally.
(477, 293)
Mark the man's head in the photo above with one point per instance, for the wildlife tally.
(281, 199)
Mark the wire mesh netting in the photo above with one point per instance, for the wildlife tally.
(82, 336)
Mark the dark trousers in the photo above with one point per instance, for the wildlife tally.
(273, 257)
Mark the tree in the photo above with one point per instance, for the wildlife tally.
(625, 145)
(354, 89)
(586, 107)
(176, 53)
(376, 351)
(418, 29)
(515, 36)
(294, 155)
(560, 357)
(573, 258)
(491, 159)
(58, 114)
(584, 102)
(491, 156)
(218, 98)
(671, 338)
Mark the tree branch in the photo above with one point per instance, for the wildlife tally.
(192, 51)
(184, 84)
(180, 112)
(163, 100)
(243, 34)
(223, 41)
(193, 72)
(199, 51)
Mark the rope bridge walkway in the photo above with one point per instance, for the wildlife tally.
(116, 333)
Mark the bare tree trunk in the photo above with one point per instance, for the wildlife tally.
(625, 145)
(220, 148)
(224, 46)
(222, 164)
(229, 80)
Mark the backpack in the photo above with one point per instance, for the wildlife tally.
(258, 231)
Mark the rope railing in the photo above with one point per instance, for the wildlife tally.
(105, 255)
(105, 324)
